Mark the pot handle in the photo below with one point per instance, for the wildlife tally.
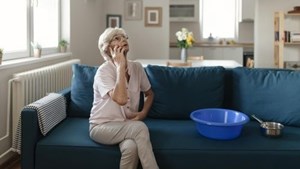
(259, 120)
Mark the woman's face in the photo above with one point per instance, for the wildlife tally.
(120, 41)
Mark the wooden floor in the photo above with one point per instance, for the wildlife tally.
(13, 163)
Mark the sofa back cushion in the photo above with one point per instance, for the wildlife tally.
(179, 91)
(270, 94)
(82, 95)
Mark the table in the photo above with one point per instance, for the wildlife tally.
(195, 63)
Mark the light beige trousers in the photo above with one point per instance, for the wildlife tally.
(133, 139)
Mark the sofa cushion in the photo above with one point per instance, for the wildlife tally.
(176, 144)
(82, 90)
(76, 149)
(272, 95)
(179, 91)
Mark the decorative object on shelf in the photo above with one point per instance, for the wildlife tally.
(37, 49)
(185, 39)
(113, 21)
(211, 38)
(295, 11)
(63, 44)
(293, 65)
(1, 55)
(153, 16)
(133, 9)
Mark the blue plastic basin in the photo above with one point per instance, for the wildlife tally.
(221, 124)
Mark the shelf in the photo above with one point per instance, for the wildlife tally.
(291, 43)
(276, 43)
(292, 14)
(281, 36)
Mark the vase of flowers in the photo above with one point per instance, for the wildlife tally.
(63, 44)
(37, 49)
(185, 39)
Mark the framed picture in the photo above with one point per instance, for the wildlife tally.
(153, 16)
(114, 21)
(133, 9)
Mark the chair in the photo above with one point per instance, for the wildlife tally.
(179, 64)
(250, 63)
(195, 58)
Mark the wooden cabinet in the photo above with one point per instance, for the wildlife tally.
(285, 48)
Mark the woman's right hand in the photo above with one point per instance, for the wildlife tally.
(118, 56)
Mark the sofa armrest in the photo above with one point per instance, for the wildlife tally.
(31, 133)
(67, 94)
(30, 136)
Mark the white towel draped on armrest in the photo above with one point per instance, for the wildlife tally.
(51, 110)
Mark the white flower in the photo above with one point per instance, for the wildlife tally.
(179, 35)
(184, 30)
(185, 38)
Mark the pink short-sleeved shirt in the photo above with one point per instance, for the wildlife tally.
(104, 108)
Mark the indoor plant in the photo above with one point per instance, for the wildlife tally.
(63, 45)
(185, 39)
(37, 49)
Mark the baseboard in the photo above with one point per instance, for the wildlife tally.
(10, 162)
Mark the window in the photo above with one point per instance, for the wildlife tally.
(45, 23)
(14, 27)
(29, 21)
(219, 18)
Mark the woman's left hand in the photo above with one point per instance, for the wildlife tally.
(137, 116)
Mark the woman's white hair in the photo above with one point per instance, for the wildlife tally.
(106, 37)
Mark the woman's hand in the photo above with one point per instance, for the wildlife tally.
(137, 116)
(119, 93)
(118, 56)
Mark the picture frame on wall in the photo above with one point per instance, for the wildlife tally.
(133, 9)
(153, 16)
(113, 21)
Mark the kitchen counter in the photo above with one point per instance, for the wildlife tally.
(194, 63)
(198, 44)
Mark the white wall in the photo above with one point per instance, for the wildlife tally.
(145, 42)
(86, 24)
(88, 21)
(264, 29)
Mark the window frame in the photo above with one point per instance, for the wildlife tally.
(30, 36)
(236, 31)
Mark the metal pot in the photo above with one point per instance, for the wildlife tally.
(270, 129)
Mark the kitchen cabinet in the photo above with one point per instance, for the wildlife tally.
(246, 10)
(184, 11)
(233, 53)
(212, 53)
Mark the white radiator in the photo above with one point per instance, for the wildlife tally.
(29, 86)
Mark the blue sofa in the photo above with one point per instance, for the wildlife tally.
(271, 94)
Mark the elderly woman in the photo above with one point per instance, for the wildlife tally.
(114, 116)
